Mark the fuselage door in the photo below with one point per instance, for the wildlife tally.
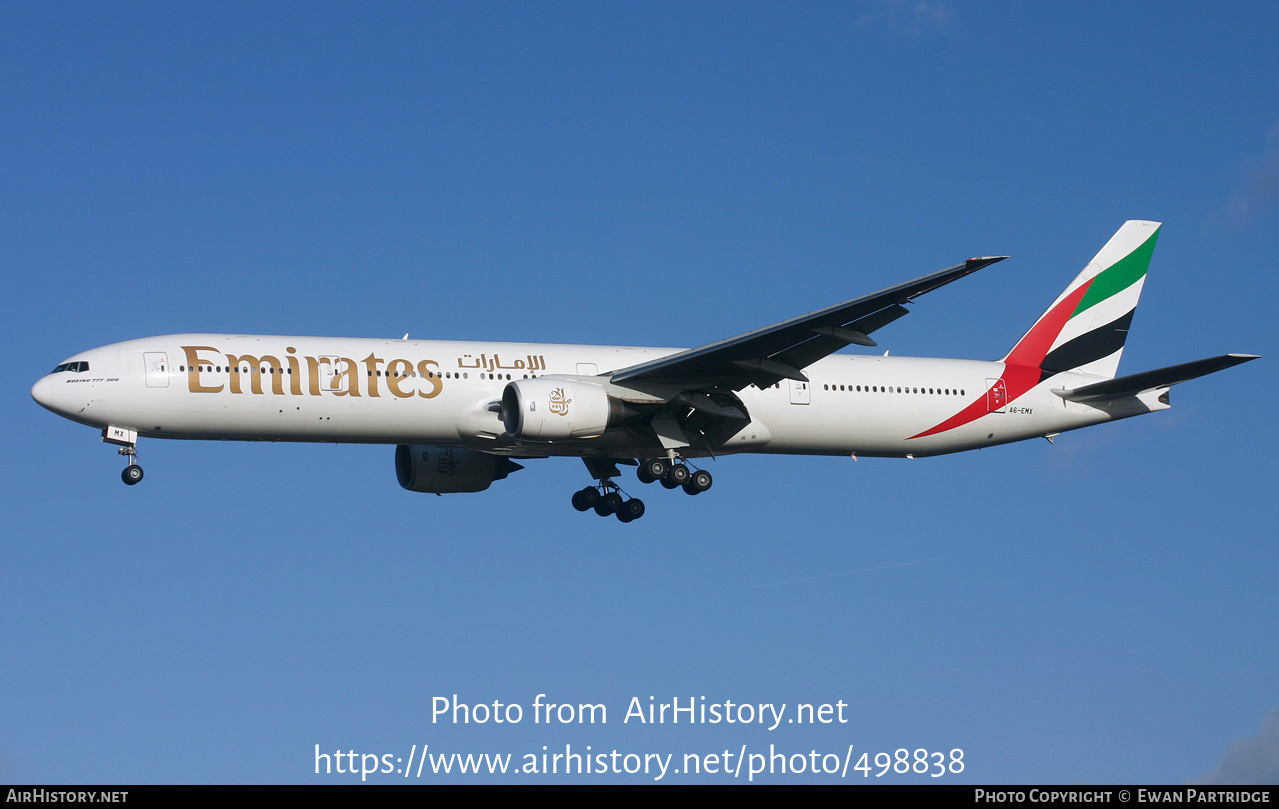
(330, 380)
(996, 395)
(157, 369)
(587, 369)
(799, 392)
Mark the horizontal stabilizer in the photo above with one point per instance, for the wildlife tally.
(1150, 380)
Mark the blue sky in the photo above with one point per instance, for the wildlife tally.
(1101, 610)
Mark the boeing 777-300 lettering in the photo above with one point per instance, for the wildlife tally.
(463, 413)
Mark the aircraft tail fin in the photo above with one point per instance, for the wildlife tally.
(1085, 328)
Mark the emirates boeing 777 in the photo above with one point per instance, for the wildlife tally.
(463, 413)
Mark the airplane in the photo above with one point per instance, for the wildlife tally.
(462, 414)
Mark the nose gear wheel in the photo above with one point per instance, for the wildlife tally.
(132, 473)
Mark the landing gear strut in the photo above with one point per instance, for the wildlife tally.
(132, 473)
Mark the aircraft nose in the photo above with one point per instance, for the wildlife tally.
(42, 392)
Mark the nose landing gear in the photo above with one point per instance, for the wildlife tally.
(132, 473)
(127, 441)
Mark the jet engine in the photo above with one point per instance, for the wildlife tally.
(449, 470)
(547, 409)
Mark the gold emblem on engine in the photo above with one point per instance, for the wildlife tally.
(559, 405)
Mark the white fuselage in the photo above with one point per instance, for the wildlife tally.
(270, 388)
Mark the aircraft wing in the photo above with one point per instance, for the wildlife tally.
(781, 351)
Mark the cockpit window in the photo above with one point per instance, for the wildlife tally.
(74, 367)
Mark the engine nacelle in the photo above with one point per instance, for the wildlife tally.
(556, 409)
(448, 470)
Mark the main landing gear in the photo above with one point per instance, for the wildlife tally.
(132, 473)
(674, 474)
(606, 497)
